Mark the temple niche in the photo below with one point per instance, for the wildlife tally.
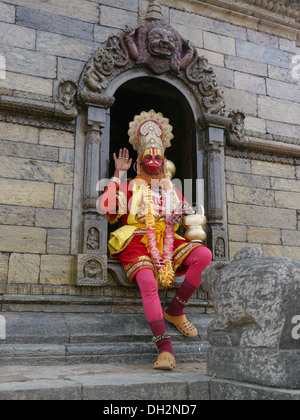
(156, 67)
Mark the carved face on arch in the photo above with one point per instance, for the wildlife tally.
(161, 42)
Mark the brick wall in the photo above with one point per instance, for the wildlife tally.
(44, 42)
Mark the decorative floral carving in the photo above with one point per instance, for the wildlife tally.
(158, 47)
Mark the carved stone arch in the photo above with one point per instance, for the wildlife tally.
(153, 51)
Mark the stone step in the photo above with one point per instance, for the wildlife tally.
(42, 338)
(188, 382)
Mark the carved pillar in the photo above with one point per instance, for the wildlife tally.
(215, 192)
(92, 263)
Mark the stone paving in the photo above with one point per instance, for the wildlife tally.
(103, 382)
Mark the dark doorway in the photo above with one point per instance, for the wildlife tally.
(144, 94)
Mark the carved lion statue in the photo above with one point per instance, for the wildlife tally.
(256, 300)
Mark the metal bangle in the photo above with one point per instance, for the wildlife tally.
(183, 303)
(164, 336)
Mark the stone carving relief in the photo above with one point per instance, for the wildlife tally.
(65, 99)
(159, 48)
(91, 270)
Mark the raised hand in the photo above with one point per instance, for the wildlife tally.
(122, 163)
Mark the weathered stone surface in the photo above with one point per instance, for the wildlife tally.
(278, 110)
(22, 239)
(17, 36)
(252, 337)
(26, 193)
(16, 215)
(242, 214)
(54, 23)
(56, 138)
(51, 218)
(58, 241)
(262, 53)
(56, 269)
(24, 268)
(29, 151)
(219, 43)
(18, 133)
(7, 12)
(63, 197)
(35, 170)
(3, 267)
(25, 83)
(29, 62)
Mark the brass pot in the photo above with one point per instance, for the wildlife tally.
(194, 220)
(195, 233)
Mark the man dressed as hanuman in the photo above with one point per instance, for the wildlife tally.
(150, 210)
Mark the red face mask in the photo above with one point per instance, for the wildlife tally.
(152, 164)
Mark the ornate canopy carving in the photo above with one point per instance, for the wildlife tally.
(158, 48)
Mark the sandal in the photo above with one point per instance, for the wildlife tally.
(165, 361)
(182, 324)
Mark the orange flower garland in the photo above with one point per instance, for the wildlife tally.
(164, 263)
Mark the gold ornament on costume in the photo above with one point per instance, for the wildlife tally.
(150, 130)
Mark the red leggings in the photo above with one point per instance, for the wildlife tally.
(196, 262)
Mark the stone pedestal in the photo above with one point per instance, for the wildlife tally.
(255, 338)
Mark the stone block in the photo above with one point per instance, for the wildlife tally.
(22, 239)
(56, 269)
(265, 367)
(250, 83)
(219, 43)
(246, 66)
(238, 99)
(287, 200)
(215, 59)
(36, 170)
(56, 138)
(51, 22)
(263, 235)
(238, 165)
(280, 73)
(52, 218)
(77, 9)
(16, 36)
(18, 133)
(285, 185)
(7, 12)
(23, 150)
(25, 83)
(281, 251)
(118, 18)
(262, 54)
(68, 68)
(194, 35)
(3, 267)
(263, 39)
(255, 124)
(237, 233)
(282, 90)
(58, 241)
(24, 268)
(273, 169)
(282, 129)
(291, 238)
(66, 155)
(223, 390)
(248, 180)
(278, 110)
(26, 193)
(256, 196)
(65, 46)
(267, 217)
(29, 62)
(19, 216)
(63, 197)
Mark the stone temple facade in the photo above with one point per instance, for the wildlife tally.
(72, 76)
